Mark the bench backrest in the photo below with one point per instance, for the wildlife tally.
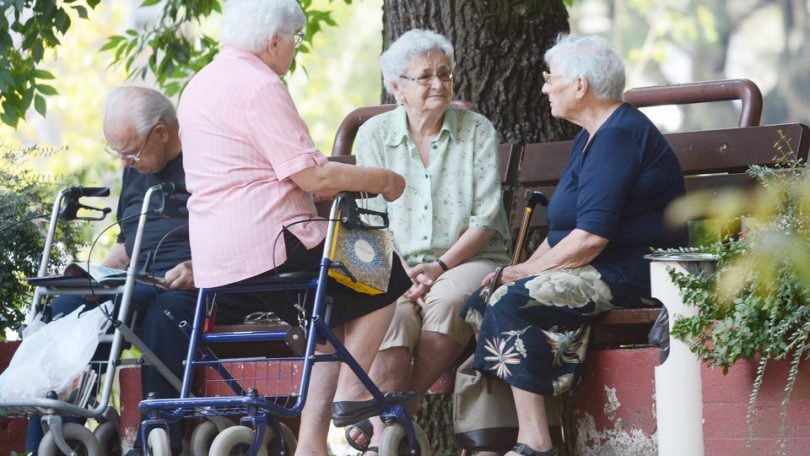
(711, 159)
(347, 130)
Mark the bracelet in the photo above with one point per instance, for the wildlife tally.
(442, 264)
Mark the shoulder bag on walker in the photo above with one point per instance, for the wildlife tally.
(361, 252)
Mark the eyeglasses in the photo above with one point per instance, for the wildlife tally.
(134, 155)
(298, 39)
(547, 76)
(427, 80)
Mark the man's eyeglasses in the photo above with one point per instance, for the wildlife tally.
(134, 155)
(298, 39)
(426, 80)
(547, 76)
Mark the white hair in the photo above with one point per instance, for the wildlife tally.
(413, 43)
(249, 24)
(143, 106)
(593, 58)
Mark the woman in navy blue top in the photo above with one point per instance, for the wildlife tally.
(604, 216)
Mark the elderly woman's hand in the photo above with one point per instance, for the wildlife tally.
(509, 274)
(395, 187)
(180, 277)
(423, 275)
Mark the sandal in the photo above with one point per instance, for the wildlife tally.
(372, 449)
(366, 430)
(526, 450)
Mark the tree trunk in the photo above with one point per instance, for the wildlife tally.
(499, 47)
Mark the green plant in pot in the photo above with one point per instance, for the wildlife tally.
(757, 303)
(26, 198)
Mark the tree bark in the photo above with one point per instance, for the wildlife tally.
(499, 47)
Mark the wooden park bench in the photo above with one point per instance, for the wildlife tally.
(710, 159)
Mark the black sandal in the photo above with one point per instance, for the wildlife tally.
(366, 430)
(526, 450)
(372, 448)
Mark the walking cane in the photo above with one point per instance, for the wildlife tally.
(532, 198)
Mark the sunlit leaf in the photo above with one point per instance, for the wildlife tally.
(40, 105)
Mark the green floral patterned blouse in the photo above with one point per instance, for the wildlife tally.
(461, 187)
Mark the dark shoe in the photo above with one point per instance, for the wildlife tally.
(345, 413)
(526, 450)
(366, 430)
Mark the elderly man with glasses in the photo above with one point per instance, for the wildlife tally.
(141, 129)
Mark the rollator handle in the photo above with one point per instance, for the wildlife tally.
(350, 214)
(173, 188)
(168, 198)
(71, 204)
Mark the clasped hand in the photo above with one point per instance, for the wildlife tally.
(422, 275)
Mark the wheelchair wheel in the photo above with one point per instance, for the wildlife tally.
(108, 438)
(78, 438)
(394, 440)
(157, 443)
(290, 442)
(235, 441)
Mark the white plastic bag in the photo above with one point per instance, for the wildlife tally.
(54, 356)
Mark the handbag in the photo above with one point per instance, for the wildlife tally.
(484, 416)
(361, 252)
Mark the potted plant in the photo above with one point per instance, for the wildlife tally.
(757, 303)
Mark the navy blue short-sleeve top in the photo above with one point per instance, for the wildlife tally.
(617, 187)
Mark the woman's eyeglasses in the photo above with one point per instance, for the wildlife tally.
(547, 76)
(134, 155)
(428, 79)
(298, 39)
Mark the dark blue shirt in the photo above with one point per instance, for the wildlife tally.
(618, 189)
(172, 230)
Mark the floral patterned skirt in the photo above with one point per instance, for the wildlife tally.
(533, 333)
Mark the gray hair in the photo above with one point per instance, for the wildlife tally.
(143, 106)
(249, 24)
(593, 58)
(413, 43)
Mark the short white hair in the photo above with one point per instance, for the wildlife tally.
(413, 43)
(249, 24)
(144, 107)
(593, 58)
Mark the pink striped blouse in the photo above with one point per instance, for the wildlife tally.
(242, 138)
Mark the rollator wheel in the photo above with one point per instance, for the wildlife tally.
(78, 438)
(235, 441)
(290, 442)
(157, 443)
(394, 440)
(203, 436)
(108, 438)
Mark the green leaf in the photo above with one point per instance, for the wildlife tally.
(43, 74)
(40, 105)
(37, 51)
(81, 11)
(149, 3)
(46, 89)
(112, 42)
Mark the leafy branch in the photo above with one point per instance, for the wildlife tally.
(27, 29)
(167, 50)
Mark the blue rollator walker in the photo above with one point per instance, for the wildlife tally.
(260, 432)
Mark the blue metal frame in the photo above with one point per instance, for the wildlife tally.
(261, 411)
